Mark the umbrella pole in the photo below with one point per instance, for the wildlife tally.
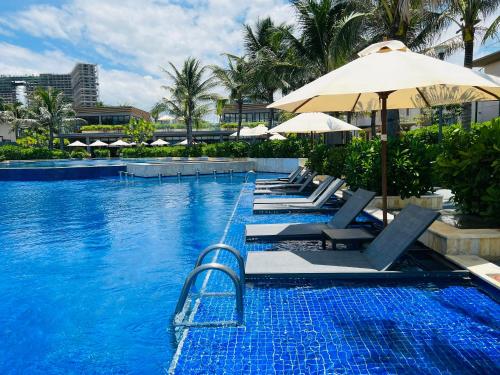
(383, 138)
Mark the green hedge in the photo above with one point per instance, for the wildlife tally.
(102, 128)
(470, 166)
(410, 166)
(102, 153)
(79, 154)
(328, 160)
(14, 152)
(266, 149)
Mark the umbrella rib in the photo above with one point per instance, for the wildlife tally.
(423, 97)
(356, 102)
(487, 92)
(303, 104)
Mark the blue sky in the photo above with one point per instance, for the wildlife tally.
(131, 39)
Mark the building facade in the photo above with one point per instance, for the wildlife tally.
(110, 115)
(485, 111)
(80, 86)
(251, 113)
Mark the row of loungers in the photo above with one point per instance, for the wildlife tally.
(385, 249)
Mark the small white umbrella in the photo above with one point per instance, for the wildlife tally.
(314, 122)
(119, 143)
(77, 144)
(259, 130)
(145, 143)
(244, 132)
(133, 144)
(185, 143)
(160, 142)
(277, 137)
(98, 143)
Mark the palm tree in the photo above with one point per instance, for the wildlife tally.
(271, 59)
(467, 16)
(220, 103)
(157, 110)
(235, 79)
(415, 23)
(190, 92)
(330, 34)
(51, 109)
(17, 115)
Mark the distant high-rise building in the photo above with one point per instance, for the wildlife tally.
(80, 86)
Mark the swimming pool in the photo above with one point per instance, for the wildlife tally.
(91, 269)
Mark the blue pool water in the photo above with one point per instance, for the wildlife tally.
(90, 270)
(333, 327)
(61, 163)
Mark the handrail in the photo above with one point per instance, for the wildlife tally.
(192, 278)
(246, 175)
(232, 250)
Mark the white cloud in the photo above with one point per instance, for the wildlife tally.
(149, 33)
(140, 36)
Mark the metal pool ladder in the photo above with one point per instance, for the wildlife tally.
(182, 315)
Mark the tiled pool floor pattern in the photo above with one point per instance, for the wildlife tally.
(327, 327)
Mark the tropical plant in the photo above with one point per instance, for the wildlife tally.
(330, 33)
(271, 58)
(139, 130)
(470, 167)
(16, 115)
(220, 103)
(416, 23)
(50, 108)
(469, 16)
(157, 110)
(235, 79)
(190, 93)
(102, 153)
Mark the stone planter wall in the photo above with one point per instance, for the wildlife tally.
(431, 201)
(278, 165)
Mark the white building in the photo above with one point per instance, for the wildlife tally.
(485, 111)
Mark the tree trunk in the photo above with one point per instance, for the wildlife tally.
(51, 138)
(467, 107)
(189, 130)
(372, 124)
(240, 118)
(393, 123)
(61, 139)
(271, 110)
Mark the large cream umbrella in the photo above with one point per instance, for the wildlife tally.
(387, 75)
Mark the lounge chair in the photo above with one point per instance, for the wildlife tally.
(311, 198)
(317, 205)
(299, 180)
(289, 178)
(291, 188)
(313, 231)
(375, 261)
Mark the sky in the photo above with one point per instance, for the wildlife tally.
(132, 40)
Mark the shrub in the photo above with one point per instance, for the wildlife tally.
(102, 153)
(117, 128)
(326, 159)
(290, 148)
(410, 166)
(79, 154)
(470, 167)
(60, 154)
